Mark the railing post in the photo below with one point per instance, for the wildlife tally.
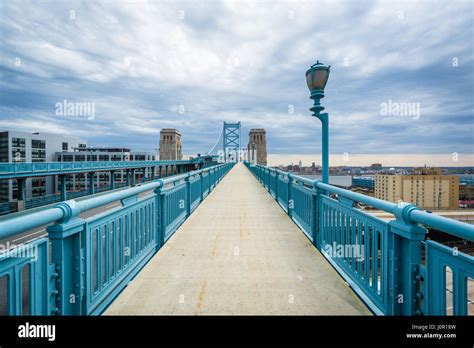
(269, 180)
(290, 203)
(112, 180)
(404, 247)
(62, 187)
(21, 183)
(201, 180)
(132, 177)
(161, 216)
(67, 257)
(264, 173)
(209, 180)
(91, 183)
(316, 216)
(188, 196)
(276, 186)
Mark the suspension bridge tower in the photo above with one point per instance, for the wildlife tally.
(231, 137)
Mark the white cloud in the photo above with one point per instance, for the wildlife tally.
(240, 60)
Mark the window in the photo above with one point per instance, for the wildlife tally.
(4, 147)
(65, 146)
(18, 149)
(18, 142)
(38, 155)
(38, 152)
(38, 144)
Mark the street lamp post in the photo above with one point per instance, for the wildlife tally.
(316, 78)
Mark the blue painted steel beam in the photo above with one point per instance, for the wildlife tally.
(26, 170)
(63, 189)
(231, 138)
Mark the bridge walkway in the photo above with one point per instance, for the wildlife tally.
(238, 253)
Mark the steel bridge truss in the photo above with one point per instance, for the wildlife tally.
(231, 140)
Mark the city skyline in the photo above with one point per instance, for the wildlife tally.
(412, 96)
(387, 160)
(350, 159)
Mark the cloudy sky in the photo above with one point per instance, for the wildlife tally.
(148, 65)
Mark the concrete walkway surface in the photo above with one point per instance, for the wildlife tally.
(238, 253)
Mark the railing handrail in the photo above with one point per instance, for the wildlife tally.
(9, 168)
(64, 210)
(94, 162)
(408, 212)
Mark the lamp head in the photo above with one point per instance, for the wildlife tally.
(317, 76)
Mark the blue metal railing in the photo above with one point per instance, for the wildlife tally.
(382, 261)
(90, 260)
(7, 208)
(39, 201)
(9, 170)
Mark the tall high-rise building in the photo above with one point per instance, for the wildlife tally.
(257, 147)
(427, 188)
(170, 144)
(32, 147)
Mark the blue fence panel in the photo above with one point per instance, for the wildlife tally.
(29, 280)
(195, 187)
(117, 245)
(282, 192)
(205, 183)
(174, 201)
(303, 206)
(357, 242)
(447, 276)
(272, 183)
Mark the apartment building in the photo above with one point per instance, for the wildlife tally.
(426, 187)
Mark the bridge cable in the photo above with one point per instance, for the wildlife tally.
(217, 142)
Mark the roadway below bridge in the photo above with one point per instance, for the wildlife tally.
(238, 253)
(39, 232)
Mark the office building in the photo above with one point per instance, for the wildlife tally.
(18, 146)
(77, 182)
